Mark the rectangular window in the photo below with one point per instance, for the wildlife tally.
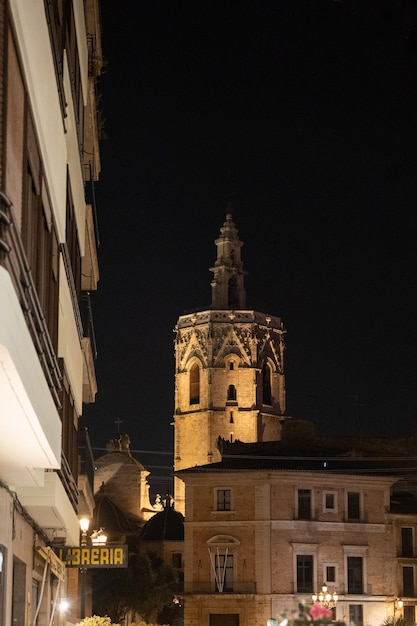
(408, 581)
(330, 574)
(356, 614)
(304, 504)
(353, 504)
(224, 497)
(409, 615)
(329, 501)
(355, 574)
(407, 542)
(304, 573)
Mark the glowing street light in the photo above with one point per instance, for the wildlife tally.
(398, 605)
(84, 524)
(325, 598)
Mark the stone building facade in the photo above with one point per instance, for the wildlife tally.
(272, 510)
(268, 525)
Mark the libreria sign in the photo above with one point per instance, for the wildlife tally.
(96, 556)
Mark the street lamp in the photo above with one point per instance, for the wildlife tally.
(64, 605)
(398, 605)
(325, 598)
(84, 524)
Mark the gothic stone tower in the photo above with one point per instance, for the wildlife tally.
(229, 376)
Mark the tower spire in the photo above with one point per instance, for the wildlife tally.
(228, 291)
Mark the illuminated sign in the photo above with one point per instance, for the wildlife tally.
(93, 556)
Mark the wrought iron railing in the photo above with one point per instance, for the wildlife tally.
(67, 479)
(87, 320)
(209, 587)
(14, 259)
(72, 288)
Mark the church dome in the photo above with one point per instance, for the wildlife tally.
(111, 465)
(123, 479)
(109, 517)
(167, 525)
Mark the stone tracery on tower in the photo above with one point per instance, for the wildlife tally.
(229, 368)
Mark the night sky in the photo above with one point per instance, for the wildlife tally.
(307, 111)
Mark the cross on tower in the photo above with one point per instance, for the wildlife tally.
(118, 422)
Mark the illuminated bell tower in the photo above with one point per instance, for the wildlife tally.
(229, 368)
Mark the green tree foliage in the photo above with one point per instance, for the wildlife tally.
(146, 588)
(172, 614)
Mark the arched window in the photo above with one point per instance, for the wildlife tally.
(266, 384)
(222, 549)
(195, 384)
(231, 392)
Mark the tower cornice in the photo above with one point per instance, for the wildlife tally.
(233, 317)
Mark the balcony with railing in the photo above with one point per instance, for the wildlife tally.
(30, 386)
(14, 260)
(210, 587)
(89, 350)
(30, 377)
(86, 474)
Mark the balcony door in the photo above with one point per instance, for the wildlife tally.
(222, 565)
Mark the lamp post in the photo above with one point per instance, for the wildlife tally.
(325, 598)
(398, 605)
(84, 524)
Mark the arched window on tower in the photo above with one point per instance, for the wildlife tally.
(266, 384)
(195, 384)
(231, 393)
(232, 296)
